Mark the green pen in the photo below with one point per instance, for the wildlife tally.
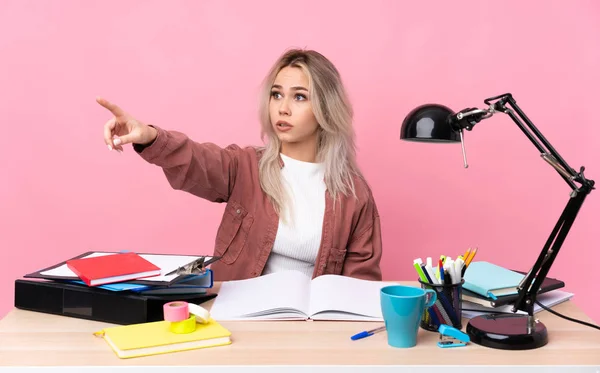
(417, 264)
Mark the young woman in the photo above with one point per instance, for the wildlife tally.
(298, 203)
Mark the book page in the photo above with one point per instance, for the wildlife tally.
(335, 297)
(276, 296)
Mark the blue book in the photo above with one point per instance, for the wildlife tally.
(190, 284)
(117, 286)
(491, 280)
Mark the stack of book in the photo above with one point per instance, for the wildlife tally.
(489, 288)
(118, 287)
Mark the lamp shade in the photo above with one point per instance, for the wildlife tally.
(429, 123)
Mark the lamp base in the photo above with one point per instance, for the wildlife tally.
(507, 332)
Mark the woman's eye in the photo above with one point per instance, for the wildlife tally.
(275, 95)
(300, 97)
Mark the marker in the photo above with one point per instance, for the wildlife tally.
(430, 272)
(449, 267)
(426, 273)
(429, 262)
(367, 333)
(459, 266)
(417, 264)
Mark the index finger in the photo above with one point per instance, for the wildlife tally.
(117, 111)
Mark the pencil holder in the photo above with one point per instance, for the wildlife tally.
(446, 310)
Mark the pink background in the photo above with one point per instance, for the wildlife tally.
(195, 66)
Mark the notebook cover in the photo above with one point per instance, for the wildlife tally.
(139, 339)
(484, 277)
(549, 284)
(100, 268)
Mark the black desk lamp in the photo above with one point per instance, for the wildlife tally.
(437, 123)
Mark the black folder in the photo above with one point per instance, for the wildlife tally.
(117, 307)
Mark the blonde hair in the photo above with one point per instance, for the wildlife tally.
(333, 112)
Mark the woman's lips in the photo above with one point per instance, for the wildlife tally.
(283, 126)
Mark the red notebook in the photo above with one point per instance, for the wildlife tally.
(106, 269)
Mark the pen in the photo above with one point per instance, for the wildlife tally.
(426, 274)
(428, 280)
(447, 279)
(367, 333)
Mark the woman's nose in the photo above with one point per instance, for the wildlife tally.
(284, 108)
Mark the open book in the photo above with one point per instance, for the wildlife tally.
(291, 295)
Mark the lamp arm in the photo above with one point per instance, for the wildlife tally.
(530, 285)
(541, 143)
(467, 118)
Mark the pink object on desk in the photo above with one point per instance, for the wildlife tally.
(176, 311)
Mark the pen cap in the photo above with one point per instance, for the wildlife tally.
(447, 309)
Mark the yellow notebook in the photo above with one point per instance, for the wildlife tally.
(155, 338)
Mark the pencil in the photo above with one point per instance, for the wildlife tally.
(471, 256)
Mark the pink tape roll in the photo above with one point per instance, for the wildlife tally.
(176, 311)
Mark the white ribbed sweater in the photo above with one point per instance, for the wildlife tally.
(298, 240)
